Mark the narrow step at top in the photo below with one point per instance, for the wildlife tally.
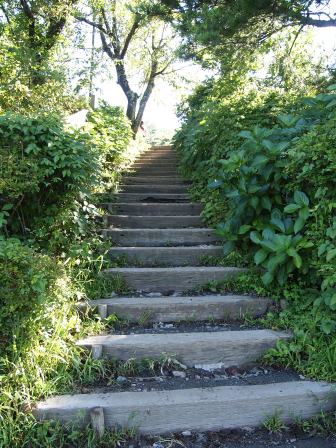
(152, 222)
(166, 256)
(223, 348)
(160, 188)
(168, 280)
(184, 308)
(154, 180)
(154, 197)
(203, 409)
(154, 163)
(161, 237)
(154, 208)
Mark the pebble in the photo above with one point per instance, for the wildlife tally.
(122, 380)
(302, 377)
(154, 294)
(179, 374)
(157, 445)
(186, 433)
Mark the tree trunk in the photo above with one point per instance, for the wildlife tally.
(143, 103)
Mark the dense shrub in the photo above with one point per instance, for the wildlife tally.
(264, 165)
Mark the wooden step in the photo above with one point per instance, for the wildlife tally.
(222, 348)
(167, 280)
(144, 188)
(152, 222)
(166, 256)
(160, 237)
(154, 180)
(154, 164)
(185, 308)
(154, 197)
(197, 409)
(154, 208)
(155, 172)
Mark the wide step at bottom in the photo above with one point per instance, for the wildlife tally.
(177, 309)
(224, 348)
(172, 279)
(208, 409)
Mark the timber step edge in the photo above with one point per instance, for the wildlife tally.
(166, 280)
(179, 309)
(152, 222)
(225, 348)
(161, 237)
(166, 256)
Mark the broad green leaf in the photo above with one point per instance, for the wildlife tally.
(245, 134)
(331, 87)
(266, 203)
(228, 247)
(278, 224)
(299, 224)
(255, 237)
(291, 208)
(267, 278)
(260, 256)
(331, 254)
(260, 160)
(268, 233)
(301, 198)
(244, 229)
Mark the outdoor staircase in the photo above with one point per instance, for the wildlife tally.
(156, 228)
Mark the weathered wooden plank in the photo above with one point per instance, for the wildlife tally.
(152, 222)
(226, 348)
(154, 208)
(170, 188)
(206, 409)
(185, 308)
(166, 256)
(172, 279)
(161, 237)
(146, 197)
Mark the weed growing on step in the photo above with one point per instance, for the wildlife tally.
(233, 259)
(273, 423)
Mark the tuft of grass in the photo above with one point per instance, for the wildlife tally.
(274, 424)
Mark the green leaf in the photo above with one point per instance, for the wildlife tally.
(267, 278)
(215, 184)
(301, 198)
(228, 247)
(327, 326)
(278, 224)
(245, 134)
(255, 237)
(297, 261)
(244, 229)
(331, 87)
(331, 254)
(254, 201)
(260, 160)
(299, 224)
(291, 208)
(260, 256)
(266, 203)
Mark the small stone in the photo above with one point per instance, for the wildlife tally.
(292, 440)
(122, 380)
(186, 433)
(302, 377)
(154, 294)
(113, 294)
(179, 374)
(157, 445)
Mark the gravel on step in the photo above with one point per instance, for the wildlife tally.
(176, 376)
(184, 327)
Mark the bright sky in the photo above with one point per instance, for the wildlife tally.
(161, 108)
